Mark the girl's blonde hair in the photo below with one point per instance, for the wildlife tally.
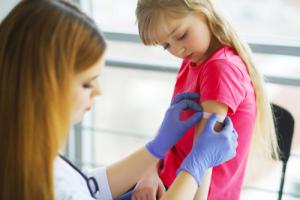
(43, 44)
(153, 16)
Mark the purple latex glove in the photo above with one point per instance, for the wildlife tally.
(211, 149)
(172, 127)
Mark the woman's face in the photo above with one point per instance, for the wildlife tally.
(85, 89)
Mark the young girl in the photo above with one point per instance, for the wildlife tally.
(51, 55)
(217, 65)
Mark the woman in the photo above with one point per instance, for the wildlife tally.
(51, 55)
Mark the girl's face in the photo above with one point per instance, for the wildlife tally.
(190, 38)
(85, 89)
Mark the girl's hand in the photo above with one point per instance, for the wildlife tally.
(149, 187)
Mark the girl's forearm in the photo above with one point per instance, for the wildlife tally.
(124, 174)
(184, 187)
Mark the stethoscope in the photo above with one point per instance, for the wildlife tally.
(90, 181)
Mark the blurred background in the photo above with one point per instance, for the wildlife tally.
(137, 84)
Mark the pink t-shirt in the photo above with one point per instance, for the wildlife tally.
(224, 78)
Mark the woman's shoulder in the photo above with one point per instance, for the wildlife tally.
(63, 171)
(67, 183)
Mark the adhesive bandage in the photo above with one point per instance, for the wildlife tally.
(220, 118)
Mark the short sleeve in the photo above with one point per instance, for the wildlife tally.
(223, 82)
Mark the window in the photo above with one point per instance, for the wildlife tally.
(134, 100)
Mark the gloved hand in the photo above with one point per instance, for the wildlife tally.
(172, 127)
(210, 149)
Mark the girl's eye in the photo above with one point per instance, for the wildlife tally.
(166, 46)
(182, 37)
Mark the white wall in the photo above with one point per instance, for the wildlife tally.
(6, 6)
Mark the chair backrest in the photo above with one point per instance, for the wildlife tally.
(284, 124)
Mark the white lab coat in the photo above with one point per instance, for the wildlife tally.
(70, 185)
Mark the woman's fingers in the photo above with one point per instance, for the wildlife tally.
(186, 95)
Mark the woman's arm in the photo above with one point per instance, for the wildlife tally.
(125, 173)
(150, 185)
(202, 192)
(219, 109)
(209, 150)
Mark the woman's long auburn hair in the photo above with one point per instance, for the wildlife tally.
(43, 44)
(153, 16)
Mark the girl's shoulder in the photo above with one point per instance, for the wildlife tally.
(225, 53)
(226, 59)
